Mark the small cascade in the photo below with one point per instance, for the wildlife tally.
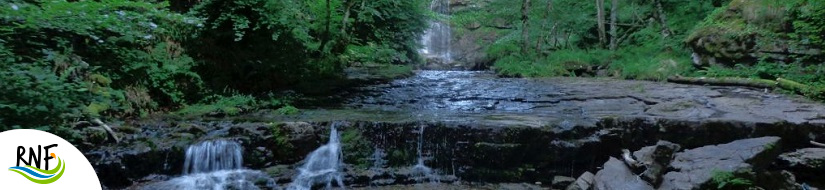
(436, 39)
(209, 156)
(419, 171)
(379, 165)
(322, 166)
(215, 165)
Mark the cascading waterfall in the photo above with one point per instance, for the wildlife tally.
(420, 171)
(215, 165)
(322, 166)
(209, 156)
(436, 39)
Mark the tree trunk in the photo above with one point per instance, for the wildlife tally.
(724, 81)
(660, 12)
(344, 21)
(525, 34)
(614, 30)
(600, 22)
(327, 34)
(545, 16)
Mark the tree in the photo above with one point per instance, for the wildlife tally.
(614, 14)
(525, 34)
(660, 13)
(545, 16)
(600, 22)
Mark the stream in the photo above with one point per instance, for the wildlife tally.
(447, 129)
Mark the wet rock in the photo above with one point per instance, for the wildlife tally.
(808, 163)
(560, 182)
(694, 168)
(584, 182)
(778, 180)
(616, 175)
(656, 159)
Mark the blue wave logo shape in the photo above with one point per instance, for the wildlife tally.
(41, 176)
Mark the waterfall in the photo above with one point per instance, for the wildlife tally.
(436, 39)
(215, 165)
(420, 171)
(209, 156)
(322, 166)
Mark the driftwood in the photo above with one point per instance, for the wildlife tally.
(818, 144)
(628, 159)
(724, 81)
(108, 129)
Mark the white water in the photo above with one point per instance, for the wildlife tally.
(215, 165)
(217, 180)
(436, 39)
(420, 171)
(209, 156)
(322, 166)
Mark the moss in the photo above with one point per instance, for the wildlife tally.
(356, 148)
(399, 157)
(281, 146)
(730, 180)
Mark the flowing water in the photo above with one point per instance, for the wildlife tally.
(322, 166)
(209, 156)
(215, 165)
(420, 171)
(436, 39)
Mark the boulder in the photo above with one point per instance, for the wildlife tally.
(656, 159)
(694, 168)
(807, 163)
(616, 175)
(584, 182)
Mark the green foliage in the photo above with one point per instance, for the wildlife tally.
(281, 144)
(568, 45)
(288, 110)
(282, 44)
(356, 147)
(234, 105)
(561, 63)
(727, 180)
(68, 60)
(807, 21)
(810, 75)
(650, 63)
(62, 61)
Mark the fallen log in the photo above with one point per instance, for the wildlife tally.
(781, 83)
(724, 81)
(108, 129)
(628, 159)
(818, 144)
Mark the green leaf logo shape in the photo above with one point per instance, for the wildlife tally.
(50, 177)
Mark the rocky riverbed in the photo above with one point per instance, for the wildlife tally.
(476, 128)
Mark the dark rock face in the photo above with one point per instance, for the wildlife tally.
(561, 182)
(694, 168)
(616, 175)
(656, 159)
(808, 163)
